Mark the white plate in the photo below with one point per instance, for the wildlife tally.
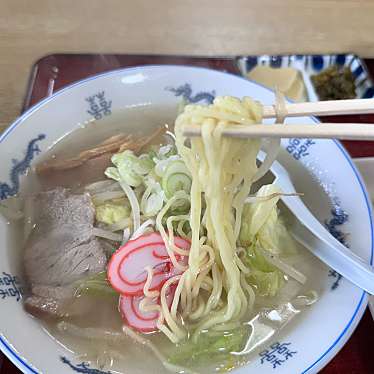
(314, 337)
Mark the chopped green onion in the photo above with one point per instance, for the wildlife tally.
(176, 178)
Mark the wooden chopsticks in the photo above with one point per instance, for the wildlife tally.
(323, 108)
(353, 131)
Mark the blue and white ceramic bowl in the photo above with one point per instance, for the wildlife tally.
(320, 168)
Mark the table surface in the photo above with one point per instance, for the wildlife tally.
(32, 29)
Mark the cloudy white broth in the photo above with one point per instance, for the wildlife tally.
(150, 252)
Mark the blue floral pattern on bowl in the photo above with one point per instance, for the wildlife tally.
(10, 286)
(185, 91)
(339, 218)
(19, 168)
(83, 367)
(99, 105)
(277, 354)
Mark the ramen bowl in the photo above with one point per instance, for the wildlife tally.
(138, 100)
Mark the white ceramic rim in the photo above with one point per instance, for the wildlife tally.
(22, 364)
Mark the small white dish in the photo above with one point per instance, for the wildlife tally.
(310, 65)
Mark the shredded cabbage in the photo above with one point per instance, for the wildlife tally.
(265, 236)
(266, 278)
(256, 214)
(261, 221)
(210, 345)
(95, 285)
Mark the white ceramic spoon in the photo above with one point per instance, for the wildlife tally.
(315, 237)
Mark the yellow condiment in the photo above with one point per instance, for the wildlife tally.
(287, 80)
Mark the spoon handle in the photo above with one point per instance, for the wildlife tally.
(314, 236)
(340, 258)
